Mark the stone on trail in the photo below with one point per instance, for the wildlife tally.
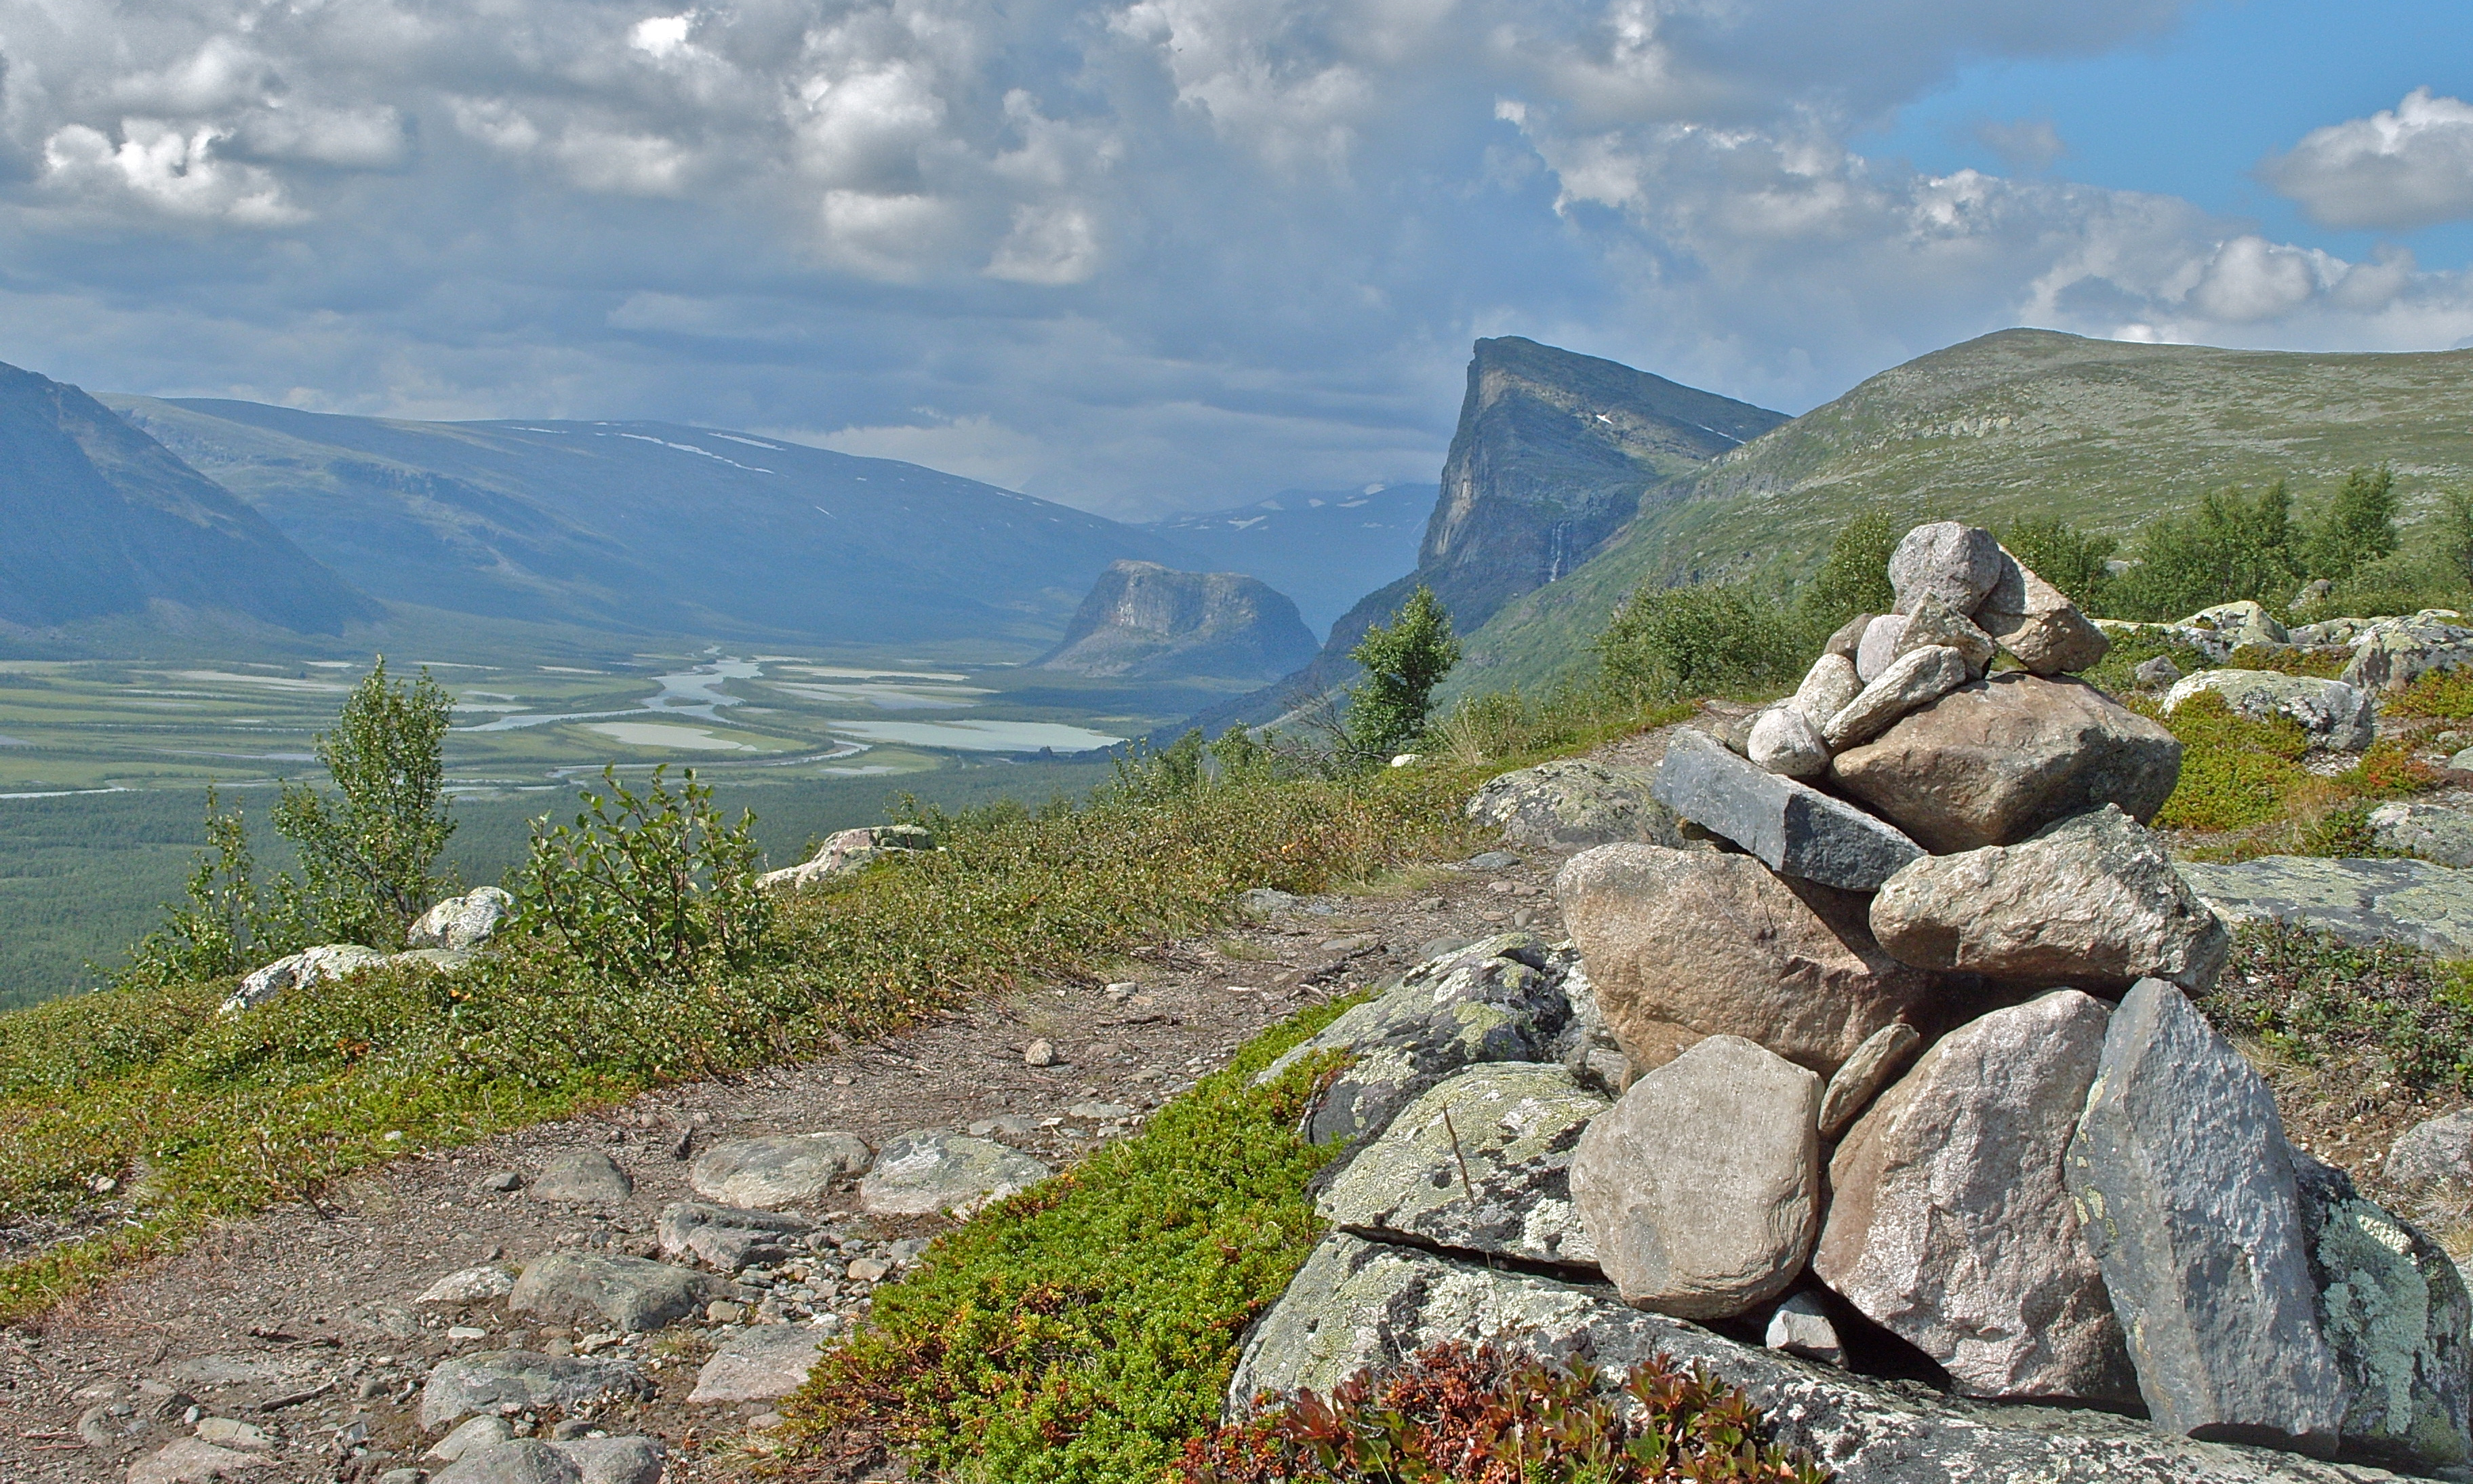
(1572, 802)
(1700, 1187)
(1783, 741)
(2186, 1194)
(2092, 901)
(2361, 901)
(1795, 829)
(1915, 679)
(1482, 1164)
(1497, 1000)
(632, 1294)
(1935, 623)
(1827, 686)
(484, 1382)
(1358, 1305)
(1801, 1327)
(517, 1461)
(727, 1237)
(193, 1461)
(1958, 565)
(464, 922)
(1852, 1087)
(582, 1177)
(1719, 944)
(778, 1169)
(634, 1460)
(2439, 832)
(1950, 1223)
(470, 1436)
(2395, 1311)
(1877, 650)
(2331, 713)
(2036, 622)
(933, 1172)
(1994, 761)
(761, 1364)
(2435, 1149)
(471, 1286)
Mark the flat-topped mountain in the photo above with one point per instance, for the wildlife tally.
(104, 523)
(1144, 621)
(1325, 548)
(651, 527)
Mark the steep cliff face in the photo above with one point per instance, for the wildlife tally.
(1146, 622)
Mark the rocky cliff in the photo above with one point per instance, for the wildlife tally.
(1147, 622)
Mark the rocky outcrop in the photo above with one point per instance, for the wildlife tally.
(2434, 831)
(2331, 713)
(847, 850)
(1570, 803)
(2358, 901)
(1143, 621)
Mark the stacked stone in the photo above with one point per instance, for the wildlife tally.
(1924, 1042)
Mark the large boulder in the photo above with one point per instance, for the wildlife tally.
(1950, 1223)
(1796, 829)
(1572, 802)
(2037, 623)
(1994, 761)
(464, 922)
(2361, 901)
(1357, 1305)
(299, 971)
(485, 1383)
(2441, 832)
(1497, 1000)
(2393, 653)
(1700, 1188)
(777, 1169)
(1719, 944)
(1953, 563)
(629, 1294)
(1915, 679)
(1480, 1165)
(2092, 900)
(2186, 1192)
(2395, 1311)
(2435, 1149)
(2333, 714)
(933, 1173)
(849, 850)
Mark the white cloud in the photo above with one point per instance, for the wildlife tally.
(2398, 169)
(159, 167)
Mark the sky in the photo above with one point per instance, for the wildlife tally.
(1149, 255)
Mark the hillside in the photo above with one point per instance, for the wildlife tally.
(1324, 548)
(2103, 433)
(104, 523)
(1146, 622)
(652, 528)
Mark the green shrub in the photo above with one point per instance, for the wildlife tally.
(1854, 578)
(2444, 695)
(2357, 526)
(1454, 1413)
(2313, 995)
(2325, 662)
(1721, 639)
(367, 854)
(2225, 550)
(2071, 560)
(1082, 1331)
(1403, 663)
(2235, 772)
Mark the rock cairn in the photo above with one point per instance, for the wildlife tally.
(1907, 1068)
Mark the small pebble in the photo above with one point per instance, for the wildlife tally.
(1039, 1053)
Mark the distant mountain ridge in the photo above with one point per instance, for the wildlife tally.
(1145, 622)
(654, 528)
(1324, 548)
(104, 523)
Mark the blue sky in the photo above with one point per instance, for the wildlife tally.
(1143, 256)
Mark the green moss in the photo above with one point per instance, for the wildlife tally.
(1083, 1331)
(2325, 662)
(2311, 995)
(2235, 772)
(2444, 695)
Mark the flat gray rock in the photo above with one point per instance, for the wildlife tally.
(582, 1177)
(932, 1172)
(517, 1461)
(195, 1461)
(761, 1364)
(1480, 1165)
(471, 1286)
(2395, 1311)
(2186, 1193)
(778, 1169)
(1793, 829)
(2439, 832)
(1572, 802)
(460, 1387)
(630, 1294)
(2360, 902)
(1356, 1304)
(616, 1460)
(2440, 1148)
(727, 1237)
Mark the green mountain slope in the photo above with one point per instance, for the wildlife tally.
(2024, 422)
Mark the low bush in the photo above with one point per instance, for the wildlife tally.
(1457, 1414)
(1083, 1331)
(2441, 695)
(1715, 640)
(2235, 772)
(2311, 995)
(2325, 661)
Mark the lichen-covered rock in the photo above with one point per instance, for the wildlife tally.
(1957, 565)
(630, 1294)
(2395, 1311)
(1913, 681)
(1572, 802)
(777, 1169)
(2440, 832)
(464, 922)
(1994, 761)
(1700, 1187)
(1480, 1165)
(299, 972)
(1935, 623)
(1587, 1047)
(1719, 944)
(1793, 829)
(933, 1173)
(466, 1384)
(1950, 1226)
(849, 850)
(2092, 901)
(2186, 1194)
(2236, 624)
(2333, 714)
(2036, 622)
(1498, 1000)
(2435, 1149)
(2393, 653)
(2361, 901)
(1358, 1305)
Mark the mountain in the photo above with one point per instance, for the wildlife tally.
(2105, 434)
(651, 527)
(1325, 548)
(107, 524)
(1553, 453)
(1145, 622)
